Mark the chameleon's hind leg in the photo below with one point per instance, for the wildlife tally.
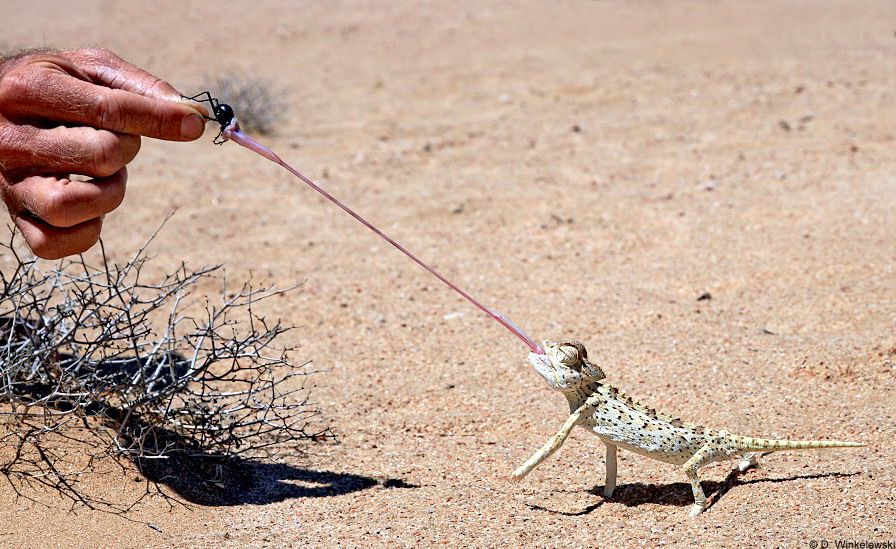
(610, 483)
(748, 461)
(556, 441)
(705, 454)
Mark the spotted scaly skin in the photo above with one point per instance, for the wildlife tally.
(621, 422)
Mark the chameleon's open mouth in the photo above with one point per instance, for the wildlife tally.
(540, 362)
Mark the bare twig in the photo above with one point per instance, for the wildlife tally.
(97, 363)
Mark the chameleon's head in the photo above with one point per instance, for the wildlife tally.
(565, 365)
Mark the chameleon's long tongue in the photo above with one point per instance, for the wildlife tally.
(233, 133)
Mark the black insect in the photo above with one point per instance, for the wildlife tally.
(222, 113)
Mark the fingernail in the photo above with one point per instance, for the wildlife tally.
(192, 126)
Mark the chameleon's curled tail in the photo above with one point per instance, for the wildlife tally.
(751, 444)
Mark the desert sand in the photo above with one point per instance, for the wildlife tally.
(588, 168)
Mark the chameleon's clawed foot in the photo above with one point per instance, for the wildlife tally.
(517, 475)
(697, 508)
(748, 462)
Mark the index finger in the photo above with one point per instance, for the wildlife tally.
(106, 68)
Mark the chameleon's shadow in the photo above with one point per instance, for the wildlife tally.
(678, 493)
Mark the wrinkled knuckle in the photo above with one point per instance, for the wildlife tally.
(156, 85)
(9, 140)
(95, 52)
(18, 145)
(15, 85)
(105, 112)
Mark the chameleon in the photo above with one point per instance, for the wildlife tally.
(620, 422)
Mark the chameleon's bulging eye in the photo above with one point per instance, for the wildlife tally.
(569, 355)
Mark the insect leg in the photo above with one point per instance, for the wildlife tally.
(208, 99)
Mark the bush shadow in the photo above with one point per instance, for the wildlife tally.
(190, 471)
(216, 482)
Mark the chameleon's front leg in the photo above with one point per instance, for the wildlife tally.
(551, 446)
(610, 483)
(555, 442)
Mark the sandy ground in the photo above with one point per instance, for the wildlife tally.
(588, 168)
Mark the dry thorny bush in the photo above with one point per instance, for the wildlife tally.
(258, 104)
(100, 366)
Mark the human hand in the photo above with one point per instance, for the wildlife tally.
(78, 112)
